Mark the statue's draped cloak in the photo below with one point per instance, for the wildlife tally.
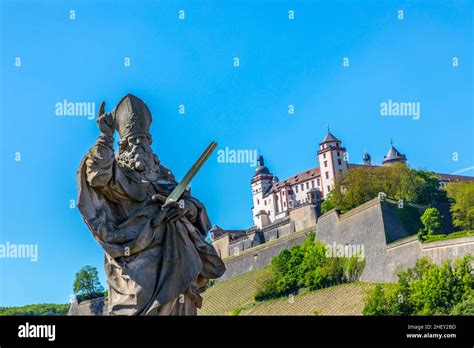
(151, 265)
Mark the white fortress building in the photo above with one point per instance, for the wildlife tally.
(273, 199)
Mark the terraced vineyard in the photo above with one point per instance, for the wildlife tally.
(223, 297)
(235, 296)
(345, 299)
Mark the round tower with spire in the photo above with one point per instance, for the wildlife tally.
(261, 182)
(393, 156)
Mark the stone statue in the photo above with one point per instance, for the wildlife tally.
(157, 261)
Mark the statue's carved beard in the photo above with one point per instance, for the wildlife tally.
(137, 158)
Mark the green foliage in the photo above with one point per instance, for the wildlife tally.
(307, 266)
(409, 217)
(462, 208)
(44, 309)
(426, 187)
(87, 283)
(465, 307)
(425, 289)
(398, 181)
(381, 300)
(328, 203)
(432, 221)
(354, 268)
(436, 237)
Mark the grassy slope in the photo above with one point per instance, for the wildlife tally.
(223, 297)
(236, 294)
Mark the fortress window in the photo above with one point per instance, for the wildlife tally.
(312, 183)
(327, 175)
(265, 202)
(319, 183)
(324, 155)
(329, 188)
(302, 187)
(339, 162)
(307, 185)
(325, 163)
(258, 202)
(338, 154)
(296, 189)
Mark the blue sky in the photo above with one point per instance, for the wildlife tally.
(190, 62)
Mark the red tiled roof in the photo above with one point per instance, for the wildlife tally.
(309, 174)
(453, 177)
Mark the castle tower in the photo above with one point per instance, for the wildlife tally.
(367, 160)
(393, 156)
(261, 182)
(332, 160)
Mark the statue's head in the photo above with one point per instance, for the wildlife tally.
(132, 120)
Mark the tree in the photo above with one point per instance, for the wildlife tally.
(427, 190)
(432, 220)
(328, 203)
(398, 181)
(462, 208)
(87, 282)
(377, 302)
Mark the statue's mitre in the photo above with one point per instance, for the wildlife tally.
(131, 117)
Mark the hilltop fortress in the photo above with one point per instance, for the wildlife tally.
(284, 212)
(274, 199)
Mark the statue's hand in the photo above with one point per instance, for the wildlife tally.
(105, 121)
(176, 210)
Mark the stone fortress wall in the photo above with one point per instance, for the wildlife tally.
(261, 255)
(374, 227)
(387, 245)
(298, 219)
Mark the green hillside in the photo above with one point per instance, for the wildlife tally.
(225, 296)
(235, 296)
(41, 309)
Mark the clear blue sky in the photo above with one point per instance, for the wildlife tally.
(190, 62)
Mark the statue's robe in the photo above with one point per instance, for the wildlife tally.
(153, 267)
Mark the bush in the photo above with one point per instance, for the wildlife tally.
(432, 221)
(381, 300)
(465, 307)
(307, 266)
(453, 235)
(425, 289)
(87, 297)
